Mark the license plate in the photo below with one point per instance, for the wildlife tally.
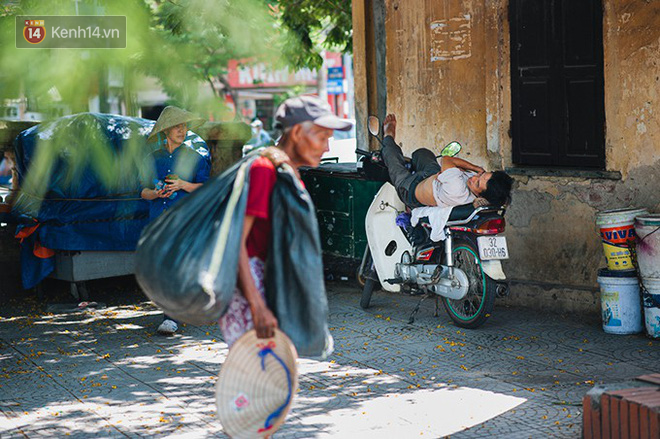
(492, 247)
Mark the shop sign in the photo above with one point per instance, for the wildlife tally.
(335, 73)
(335, 86)
(262, 75)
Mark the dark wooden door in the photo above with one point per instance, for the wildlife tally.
(557, 83)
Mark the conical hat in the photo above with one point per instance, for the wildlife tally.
(256, 385)
(173, 116)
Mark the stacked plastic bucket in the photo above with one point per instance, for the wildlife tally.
(631, 237)
(647, 251)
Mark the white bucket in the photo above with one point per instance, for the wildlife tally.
(620, 302)
(652, 306)
(647, 228)
(616, 232)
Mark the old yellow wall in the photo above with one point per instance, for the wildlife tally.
(436, 75)
(632, 83)
(448, 78)
(553, 232)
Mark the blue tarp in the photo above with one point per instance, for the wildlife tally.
(92, 167)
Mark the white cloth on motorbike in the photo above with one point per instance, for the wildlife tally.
(450, 188)
(438, 217)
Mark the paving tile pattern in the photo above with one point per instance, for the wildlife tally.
(104, 373)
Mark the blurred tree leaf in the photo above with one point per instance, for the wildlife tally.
(313, 25)
(201, 37)
(182, 43)
(73, 75)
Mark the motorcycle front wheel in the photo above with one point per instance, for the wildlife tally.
(475, 308)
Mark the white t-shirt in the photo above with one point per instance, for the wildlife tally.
(450, 188)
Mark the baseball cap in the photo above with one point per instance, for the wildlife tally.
(303, 108)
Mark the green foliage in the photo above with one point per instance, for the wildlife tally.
(73, 74)
(70, 77)
(200, 37)
(296, 90)
(314, 25)
(182, 43)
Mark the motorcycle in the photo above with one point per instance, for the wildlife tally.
(464, 271)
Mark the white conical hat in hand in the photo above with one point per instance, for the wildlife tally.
(256, 385)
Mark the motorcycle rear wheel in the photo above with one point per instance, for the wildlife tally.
(367, 291)
(365, 264)
(476, 307)
(370, 281)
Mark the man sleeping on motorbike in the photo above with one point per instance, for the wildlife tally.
(452, 182)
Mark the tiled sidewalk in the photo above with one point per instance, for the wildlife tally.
(103, 373)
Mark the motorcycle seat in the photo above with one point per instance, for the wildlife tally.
(461, 212)
(458, 213)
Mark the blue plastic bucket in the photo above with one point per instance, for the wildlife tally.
(620, 302)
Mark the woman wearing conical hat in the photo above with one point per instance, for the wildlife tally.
(179, 170)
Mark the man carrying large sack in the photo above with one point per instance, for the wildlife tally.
(307, 124)
(244, 249)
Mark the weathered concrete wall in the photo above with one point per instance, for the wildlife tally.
(553, 237)
(632, 82)
(448, 78)
(436, 74)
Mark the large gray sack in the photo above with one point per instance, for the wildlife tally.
(295, 289)
(187, 258)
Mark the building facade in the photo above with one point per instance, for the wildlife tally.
(261, 87)
(560, 94)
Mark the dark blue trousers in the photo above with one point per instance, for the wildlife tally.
(405, 181)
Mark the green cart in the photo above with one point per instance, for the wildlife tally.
(341, 197)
